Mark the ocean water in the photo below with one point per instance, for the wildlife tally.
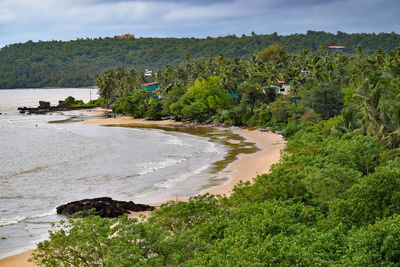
(49, 160)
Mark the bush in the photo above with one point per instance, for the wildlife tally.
(310, 116)
(325, 99)
(197, 111)
(280, 109)
(154, 111)
(206, 97)
(375, 245)
(376, 196)
(135, 103)
(261, 117)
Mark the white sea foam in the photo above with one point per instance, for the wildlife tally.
(170, 183)
(175, 141)
(17, 219)
(149, 167)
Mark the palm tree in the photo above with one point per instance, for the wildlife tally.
(350, 120)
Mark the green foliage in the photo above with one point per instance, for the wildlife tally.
(375, 245)
(72, 102)
(95, 241)
(280, 109)
(310, 116)
(325, 99)
(261, 117)
(154, 110)
(135, 104)
(273, 52)
(202, 99)
(181, 216)
(376, 196)
(196, 110)
(75, 63)
(170, 97)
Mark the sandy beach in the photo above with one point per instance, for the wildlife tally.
(245, 168)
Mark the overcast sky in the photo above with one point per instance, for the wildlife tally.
(23, 20)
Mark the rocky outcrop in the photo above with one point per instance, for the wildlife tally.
(103, 207)
(45, 107)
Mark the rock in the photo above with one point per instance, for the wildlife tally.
(103, 207)
(44, 105)
(62, 104)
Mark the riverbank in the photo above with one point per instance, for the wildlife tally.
(245, 168)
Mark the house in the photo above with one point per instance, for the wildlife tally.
(337, 48)
(148, 73)
(150, 87)
(282, 88)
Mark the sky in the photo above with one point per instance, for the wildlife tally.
(24, 20)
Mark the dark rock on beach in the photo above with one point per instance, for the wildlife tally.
(103, 207)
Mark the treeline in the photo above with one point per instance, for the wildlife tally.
(244, 91)
(75, 63)
(333, 199)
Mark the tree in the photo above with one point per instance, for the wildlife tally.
(207, 95)
(326, 100)
(274, 52)
(280, 109)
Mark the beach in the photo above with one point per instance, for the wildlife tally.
(244, 168)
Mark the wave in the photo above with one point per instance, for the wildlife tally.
(32, 170)
(172, 182)
(176, 141)
(150, 167)
(15, 220)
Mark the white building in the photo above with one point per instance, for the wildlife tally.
(283, 89)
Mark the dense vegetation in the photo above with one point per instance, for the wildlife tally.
(74, 103)
(333, 199)
(75, 63)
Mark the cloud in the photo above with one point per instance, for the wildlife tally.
(21, 20)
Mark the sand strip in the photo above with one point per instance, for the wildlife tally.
(248, 166)
(245, 168)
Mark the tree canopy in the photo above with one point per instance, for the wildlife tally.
(75, 63)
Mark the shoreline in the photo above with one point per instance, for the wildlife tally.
(244, 168)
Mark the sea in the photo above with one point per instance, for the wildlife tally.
(52, 159)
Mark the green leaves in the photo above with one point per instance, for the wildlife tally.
(203, 99)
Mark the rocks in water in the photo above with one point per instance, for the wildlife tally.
(44, 105)
(103, 207)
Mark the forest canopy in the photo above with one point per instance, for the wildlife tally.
(76, 63)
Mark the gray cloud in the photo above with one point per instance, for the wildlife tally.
(22, 20)
(304, 3)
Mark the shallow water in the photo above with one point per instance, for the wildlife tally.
(46, 164)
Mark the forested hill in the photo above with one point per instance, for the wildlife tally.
(76, 63)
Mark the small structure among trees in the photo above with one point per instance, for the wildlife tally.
(282, 88)
(337, 48)
(150, 87)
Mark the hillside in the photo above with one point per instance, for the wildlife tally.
(76, 63)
